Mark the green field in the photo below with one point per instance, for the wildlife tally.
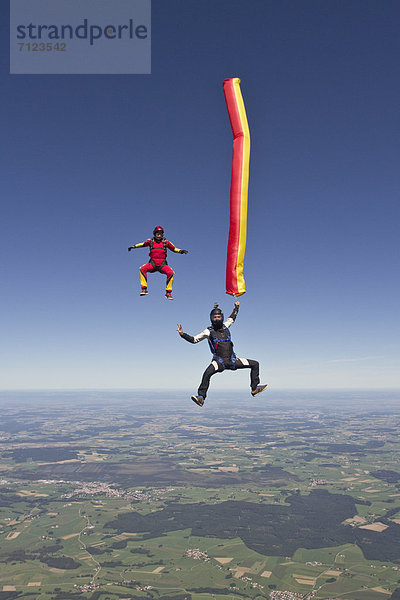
(125, 502)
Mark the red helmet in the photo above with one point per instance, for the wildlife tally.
(157, 229)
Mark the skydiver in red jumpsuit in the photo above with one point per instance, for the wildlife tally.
(158, 260)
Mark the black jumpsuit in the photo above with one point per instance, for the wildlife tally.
(223, 355)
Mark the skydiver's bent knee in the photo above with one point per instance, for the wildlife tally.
(254, 366)
(144, 269)
(170, 273)
(205, 381)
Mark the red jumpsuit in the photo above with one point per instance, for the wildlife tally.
(158, 262)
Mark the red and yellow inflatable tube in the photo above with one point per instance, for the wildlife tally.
(235, 285)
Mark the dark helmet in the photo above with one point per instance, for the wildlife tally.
(158, 229)
(217, 324)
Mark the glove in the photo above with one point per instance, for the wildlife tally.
(131, 248)
(183, 251)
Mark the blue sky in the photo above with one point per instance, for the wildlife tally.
(90, 164)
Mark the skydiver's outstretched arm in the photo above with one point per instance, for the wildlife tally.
(140, 245)
(173, 248)
(232, 317)
(193, 339)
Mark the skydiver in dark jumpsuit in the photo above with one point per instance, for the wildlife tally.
(221, 346)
